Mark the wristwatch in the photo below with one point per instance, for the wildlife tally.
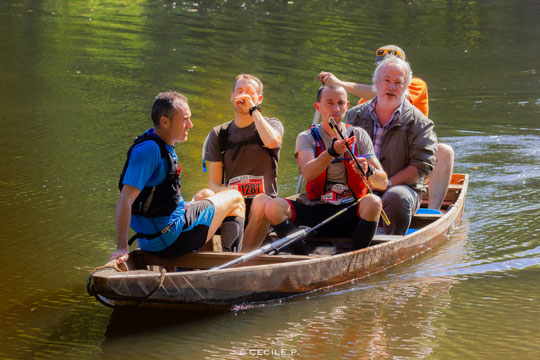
(256, 107)
(370, 170)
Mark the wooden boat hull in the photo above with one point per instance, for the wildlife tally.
(266, 277)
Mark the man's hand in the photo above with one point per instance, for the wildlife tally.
(120, 255)
(378, 179)
(328, 78)
(340, 146)
(244, 101)
(362, 163)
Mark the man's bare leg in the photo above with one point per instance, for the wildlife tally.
(258, 224)
(227, 203)
(369, 208)
(203, 194)
(278, 210)
(441, 175)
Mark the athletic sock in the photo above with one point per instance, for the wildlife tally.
(232, 232)
(288, 227)
(363, 233)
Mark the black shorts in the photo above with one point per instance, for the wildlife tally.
(248, 202)
(311, 215)
(198, 217)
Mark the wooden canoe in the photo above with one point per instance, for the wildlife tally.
(189, 281)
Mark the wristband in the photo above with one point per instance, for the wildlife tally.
(256, 107)
(331, 150)
(389, 183)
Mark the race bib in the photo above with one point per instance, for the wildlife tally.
(338, 194)
(248, 185)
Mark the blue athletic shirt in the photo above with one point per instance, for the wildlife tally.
(147, 168)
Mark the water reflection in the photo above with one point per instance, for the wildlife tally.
(351, 321)
(51, 323)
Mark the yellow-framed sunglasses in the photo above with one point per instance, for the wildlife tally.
(383, 52)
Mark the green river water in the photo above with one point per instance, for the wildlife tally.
(77, 80)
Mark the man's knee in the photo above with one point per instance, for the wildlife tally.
(370, 207)
(371, 201)
(238, 205)
(259, 203)
(445, 153)
(398, 200)
(276, 210)
(231, 201)
(203, 194)
(258, 206)
(391, 196)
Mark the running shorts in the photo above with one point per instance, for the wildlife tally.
(198, 217)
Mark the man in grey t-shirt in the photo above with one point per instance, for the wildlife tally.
(333, 180)
(243, 154)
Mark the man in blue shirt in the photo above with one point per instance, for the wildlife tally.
(150, 200)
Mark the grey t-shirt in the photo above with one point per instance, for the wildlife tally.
(250, 161)
(335, 173)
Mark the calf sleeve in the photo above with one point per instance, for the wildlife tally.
(232, 231)
(288, 227)
(363, 233)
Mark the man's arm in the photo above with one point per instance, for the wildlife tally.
(422, 152)
(311, 167)
(360, 90)
(270, 137)
(214, 161)
(406, 176)
(379, 179)
(215, 176)
(123, 219)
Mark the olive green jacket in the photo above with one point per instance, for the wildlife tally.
(410, 140)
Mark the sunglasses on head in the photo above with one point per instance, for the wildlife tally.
(383, 52)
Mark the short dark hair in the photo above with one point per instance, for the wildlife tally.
(164, 105)
(249, 77)
(326, 86)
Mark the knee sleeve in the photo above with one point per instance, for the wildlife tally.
(232, 231)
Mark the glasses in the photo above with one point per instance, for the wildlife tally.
(383, 52)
